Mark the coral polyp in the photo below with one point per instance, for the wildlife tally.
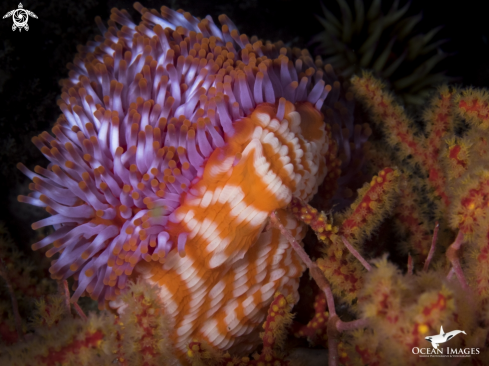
(177, 140)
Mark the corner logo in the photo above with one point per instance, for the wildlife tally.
(20, 17)
(442, 337)
(437, 351)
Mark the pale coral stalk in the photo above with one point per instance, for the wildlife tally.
(354, 324)
(432, 248)
(455, 261)
(410, 265)
(356, 254)
(80, 312)
(65, 293)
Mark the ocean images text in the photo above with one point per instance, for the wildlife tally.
(448, 352)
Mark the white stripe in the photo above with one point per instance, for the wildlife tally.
(167, 296)
(227, 194)
(284, 160)
(277, 274)
(218, 259)
(266, 289)
(216, 194)
(284, 150)
(240, 290)
(295, 121)
(216, 337)
(218, 244)
(264, 118)
(206, 199)
(284, 128)
(260, 276)
(238, 282)
(230, 311)
(183, 265)
(233, 323)
(171, 260)
(197, 296)
(193, 281)
(207, 225)
(217, 289)
(249, 303)
(236, 211)
(258, 219)
(213, 310)
(217, 299)
(208, 327)
(184, 329)
(189, 318)
(237, 198)
(274, 125)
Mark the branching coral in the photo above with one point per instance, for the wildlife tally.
(403, 309)
(139, 336)
(420, 153)
(375, 200)
(69, 342)
(315, 329)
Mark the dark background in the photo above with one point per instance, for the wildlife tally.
(32, 63)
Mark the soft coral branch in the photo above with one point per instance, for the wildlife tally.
(473, 105)
(375, 201)
(334, 324)
(400, 130)
(410, 221)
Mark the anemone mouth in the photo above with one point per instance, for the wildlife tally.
(143, 110)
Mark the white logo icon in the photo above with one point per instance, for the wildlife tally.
(20, 17)
(442, 337)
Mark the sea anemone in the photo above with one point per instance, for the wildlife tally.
(383, 44)
(176, 142)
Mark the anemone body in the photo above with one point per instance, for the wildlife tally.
(177, 140)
